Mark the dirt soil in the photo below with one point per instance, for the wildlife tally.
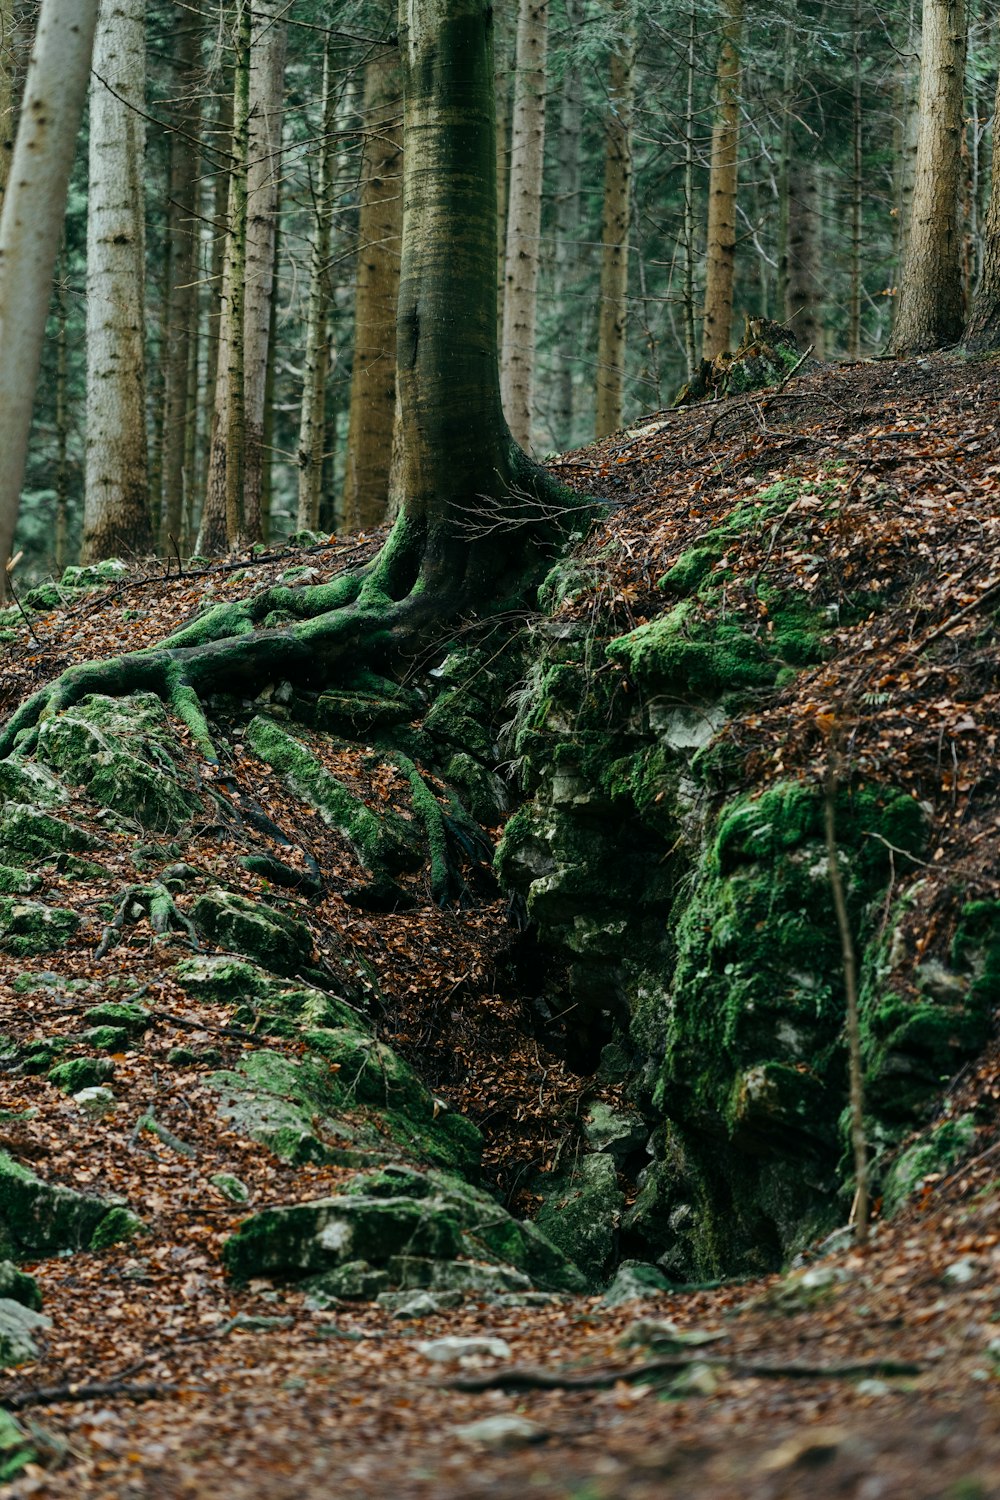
(882, 1379)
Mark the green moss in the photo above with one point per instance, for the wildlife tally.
(936, 1153)
(108, 1038)
(28, 928)
(14, 882)
(681, 652)
(691, 569)
(19, 1286)
(118, 1226)
(81, 1073)
(40, 1218)
(381, 841)
(274, 940)
(26, 830)
(124, 1015)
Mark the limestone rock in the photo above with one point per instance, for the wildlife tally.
(39, 1218)
(455, 1350)
(581, 1213)
(18, 1326)
(502, 1432)
(276, 941)
(28, 927)
(18, 1286)
(634, 1281)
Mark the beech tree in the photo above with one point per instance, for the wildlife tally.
(723, 178)
(611, 325)
(31, 227)
(116, 515)
(478, 518)
(983, 332)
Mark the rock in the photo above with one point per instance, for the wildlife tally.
(18, 1325)
(25, 781)
(26, 831)
(935, 1153)
(617, 1133)
(635, 1280)
(662, 1336)
(801, 1291)
(39, 1218)
(94, 575)
(467, 1276)
(329, 1232)
(234, 981)
(501, 1432)
(28, 927)
(418, 1304)
(124, 751)
(581, 1213)
(126, 1017)
(18, 1286)
(118, 1226)
(276, 941)
(96, 1101)
(961, 1272)
(696, 1380)
(81, 1073)
(354, 1280)
(14, 882)
(231, 1187)
(455, 1350)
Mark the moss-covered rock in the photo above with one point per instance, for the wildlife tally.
(28, 927)
(27, 782)
(270, 937)
(18, 1286)
(124, 1015)
(307, 1238)
(40, 1218)
(81, 1073)
(118, 1226)
(937, 1152)
(19, 1328)
(94, 575)
(581, 1212)
(15, 882)
(26, 831)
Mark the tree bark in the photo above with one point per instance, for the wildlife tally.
(222, 514)
(524, 217)
(6, 92)
(182, 303)
(566, 256)
(722, 188)
(266, 101)
(312, 422)
(116, 519)
(373, 372)
(983, 331)
(612, 323)
(804, 286)
(931, 311)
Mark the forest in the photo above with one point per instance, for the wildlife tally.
(499, 822)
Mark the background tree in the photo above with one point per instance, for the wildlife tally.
(931, 304)
(723, 178)
(31, 227)
(983, 331)
(615, 227)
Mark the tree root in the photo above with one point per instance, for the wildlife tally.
(152, 901)
(527, 1378)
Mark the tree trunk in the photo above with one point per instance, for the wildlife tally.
(983, 332)
(504, 49)
(905, 142)
(6, 92)
(857, 187)
(722, 185)
(566, 259)
(267, 72)
(182, 303)
(611, 327)
(312, 425)
(931, 311)
(373, 372)
(219, 153)
(116, 518)
(804, 287)
(524, 216)
(223, 511)
(690, 342)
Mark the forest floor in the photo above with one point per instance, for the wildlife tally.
(879, 1377)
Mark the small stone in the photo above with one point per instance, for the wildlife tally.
(456, 1350)
(634, 1280)
(81, 1073)
(960, 1272)
(698, 1380)
(873, 1388)
(501, 1432)
(418, 1304)
(231, 1187)
(18, 1325)
(662, 1335)
(96, 1101)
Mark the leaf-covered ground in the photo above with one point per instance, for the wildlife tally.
(880, 1378)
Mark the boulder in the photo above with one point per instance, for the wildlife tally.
(40, 1218)
(29, 927)
(581, 1212)
(259, 932)
(18, 1327)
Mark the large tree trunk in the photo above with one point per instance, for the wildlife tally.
(116, 519)
(983, 332)
(182, 304)
(722, 186)
(611, 326)
(6, 92)
(267, 73)
(373, 372)
(524, 219)
(931, 310)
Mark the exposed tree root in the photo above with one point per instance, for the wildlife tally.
(525, 1378)
(152, 901)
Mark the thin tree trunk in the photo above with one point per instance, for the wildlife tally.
(722, 188)
(182, 304)
(31, 227)
(267, 72)
(566, 259)
(116, 517)
(267, 456)
(524, 220)
(62, 415)
(804, 288)
(857, 187)
(502, 19)
(380, 227)
(222, 514)
(931, 311)
(690, 342)
(983, 332)
(312, 424)
(612, 323)
(907, 131)
(220, 152)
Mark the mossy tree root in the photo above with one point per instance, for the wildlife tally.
(152, 901)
